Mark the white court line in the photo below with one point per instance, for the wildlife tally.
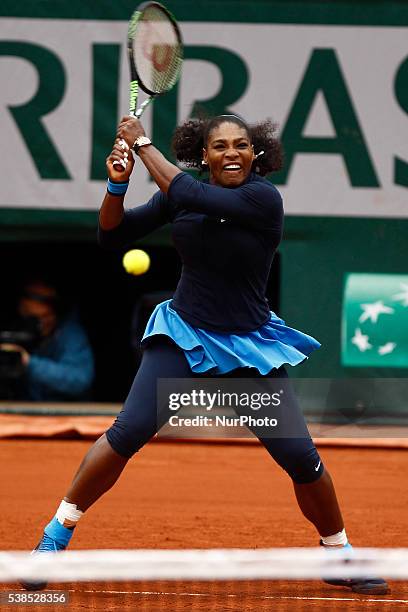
(291, 597)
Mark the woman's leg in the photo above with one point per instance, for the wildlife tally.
(98, 472)
(290, 444)
(137, 423)
(318, 502)
(292, 448)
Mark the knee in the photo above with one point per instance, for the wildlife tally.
(304, 467)
(126, 438)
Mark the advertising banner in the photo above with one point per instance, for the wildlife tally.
(338, 93)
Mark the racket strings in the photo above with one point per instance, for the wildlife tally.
(157, 51)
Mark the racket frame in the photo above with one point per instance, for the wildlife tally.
(135, 80)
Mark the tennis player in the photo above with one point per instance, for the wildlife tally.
(218, 323)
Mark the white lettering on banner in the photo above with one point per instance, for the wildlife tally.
(276, 56)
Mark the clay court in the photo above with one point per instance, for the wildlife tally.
(179, 495)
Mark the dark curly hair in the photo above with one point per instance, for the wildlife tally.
(191, 137)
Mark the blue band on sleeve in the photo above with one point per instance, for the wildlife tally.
(58, 532)
(117, 188)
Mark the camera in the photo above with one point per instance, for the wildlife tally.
(24, 333)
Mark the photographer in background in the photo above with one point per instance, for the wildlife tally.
(46, 356)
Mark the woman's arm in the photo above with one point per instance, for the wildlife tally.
(112, 211)
(137, 223)
(159, 168)
(256, 203)
(119, 227)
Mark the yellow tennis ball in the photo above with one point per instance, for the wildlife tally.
(136, 262)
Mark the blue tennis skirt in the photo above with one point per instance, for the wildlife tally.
(272, 345)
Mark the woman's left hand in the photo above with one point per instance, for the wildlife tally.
(130, 129)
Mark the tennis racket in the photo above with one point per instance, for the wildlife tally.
(155, 50)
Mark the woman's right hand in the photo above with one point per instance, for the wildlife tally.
(118, 173)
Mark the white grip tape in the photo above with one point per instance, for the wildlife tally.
(123, 162)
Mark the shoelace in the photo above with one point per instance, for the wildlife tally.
(47, 544)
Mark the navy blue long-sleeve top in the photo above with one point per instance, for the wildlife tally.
(226, 238)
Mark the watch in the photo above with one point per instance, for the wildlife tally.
(142, 141)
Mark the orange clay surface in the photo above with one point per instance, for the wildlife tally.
(179, 495)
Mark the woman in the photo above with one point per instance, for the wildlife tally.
(226, 231)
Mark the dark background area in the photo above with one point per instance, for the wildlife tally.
(95, 281)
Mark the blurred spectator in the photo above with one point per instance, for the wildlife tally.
(46, 356)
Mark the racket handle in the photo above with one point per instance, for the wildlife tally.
(120, 166)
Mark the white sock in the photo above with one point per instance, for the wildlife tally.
(338, 539)
(68, 514)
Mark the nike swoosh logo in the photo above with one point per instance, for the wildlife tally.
(317, 467)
